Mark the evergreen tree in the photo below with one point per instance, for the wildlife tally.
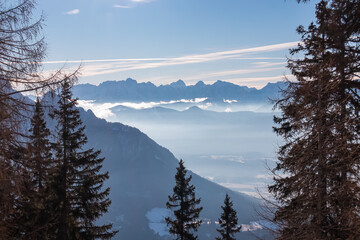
(79, 198)
(37, 166)
(184, 206)
(228, 221)
(39, 160)
(316, 179)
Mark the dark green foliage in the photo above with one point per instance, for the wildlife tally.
(39, 158)
(79, 197)
(35, 216)
(184, 205)
(228, 221)
(316, 179)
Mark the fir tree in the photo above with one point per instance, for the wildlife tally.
(228, 221)
(319, 192)
(79, 195)
(37, 165)
(184, 206)
(39, 160)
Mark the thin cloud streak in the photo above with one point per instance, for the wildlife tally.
(121, 6)
(259, 82)
(121, 65)
(145, 60)
(230, 72)
(72, 12)
(142, 1)
(268, 64)
(107, 60)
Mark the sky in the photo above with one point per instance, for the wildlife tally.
(245, 42)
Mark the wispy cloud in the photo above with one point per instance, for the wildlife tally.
(108, 60)
(258, 82)
(110, 66)
(230, 72)
(269, 64)
(72, 12)
(131, 3)
(142, 1)
(121, 6)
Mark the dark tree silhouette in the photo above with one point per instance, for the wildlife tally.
(79, 197)
(317, 177)
(22, 50)
(228, 221)
(184, 206)
(37, 165)
(39, 160)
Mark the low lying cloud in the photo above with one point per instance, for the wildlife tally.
(103, 110)
(145, 105)
(238, 186)
(205, 106)
(231, 158)
(100, 110)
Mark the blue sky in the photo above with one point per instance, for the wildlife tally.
(242, 41)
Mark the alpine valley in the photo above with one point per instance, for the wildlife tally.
(224, 147)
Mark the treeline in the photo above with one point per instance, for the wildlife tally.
(56, 190)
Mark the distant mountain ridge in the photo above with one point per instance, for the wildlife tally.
(131, 90)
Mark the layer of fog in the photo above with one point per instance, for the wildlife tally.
(233, 149)
(103, 110)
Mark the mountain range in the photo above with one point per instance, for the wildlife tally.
(131, 90)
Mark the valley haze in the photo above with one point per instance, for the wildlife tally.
(222, 131)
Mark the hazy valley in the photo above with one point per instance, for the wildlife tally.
(231, 148)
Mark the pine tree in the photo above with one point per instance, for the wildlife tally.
(184, 206)
(39, 160)
(79, 198)
(228, 221)
(35, 216)
(316, 179)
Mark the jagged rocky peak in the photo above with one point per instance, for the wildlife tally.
(178, 84)
(130, 81)
(223, 83)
